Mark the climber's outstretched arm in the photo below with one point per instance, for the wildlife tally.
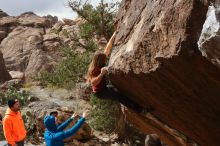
(96, 80)
(109, 45)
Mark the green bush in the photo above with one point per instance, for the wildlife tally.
(103, 115)
(86, 30)
(55, 31)
(65, 33)
(69, 72)
(12, 93)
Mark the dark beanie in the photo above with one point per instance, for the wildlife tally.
(11, 102)
(53, 112)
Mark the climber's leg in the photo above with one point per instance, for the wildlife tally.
(110, 93)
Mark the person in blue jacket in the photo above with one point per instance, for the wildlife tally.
(54, 135)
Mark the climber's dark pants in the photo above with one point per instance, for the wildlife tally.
(110, 93)
(20, 143)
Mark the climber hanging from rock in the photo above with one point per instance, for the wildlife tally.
(96, 78)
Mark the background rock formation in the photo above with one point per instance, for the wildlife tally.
(21, 40)
(157, 63)
(3, 14)
(30, 43)
(209, 42)
(4, 75)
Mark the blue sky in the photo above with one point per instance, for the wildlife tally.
(40, 7)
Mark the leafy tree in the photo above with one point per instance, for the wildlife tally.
(99, 19)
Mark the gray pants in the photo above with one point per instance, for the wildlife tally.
(20, 143)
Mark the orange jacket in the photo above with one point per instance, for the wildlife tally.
(13, 127)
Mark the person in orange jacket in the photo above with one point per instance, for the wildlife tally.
(13, 125)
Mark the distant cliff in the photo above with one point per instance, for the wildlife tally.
(30, 43)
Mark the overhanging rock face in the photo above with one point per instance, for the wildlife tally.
(157, 63)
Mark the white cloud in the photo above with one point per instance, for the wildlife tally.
(40, 7)
(61, 12)
(57, 8)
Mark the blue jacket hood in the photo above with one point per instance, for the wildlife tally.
(49, 122)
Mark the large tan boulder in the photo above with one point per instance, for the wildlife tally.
(156, 62)
(23, 51)
(19, 45)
